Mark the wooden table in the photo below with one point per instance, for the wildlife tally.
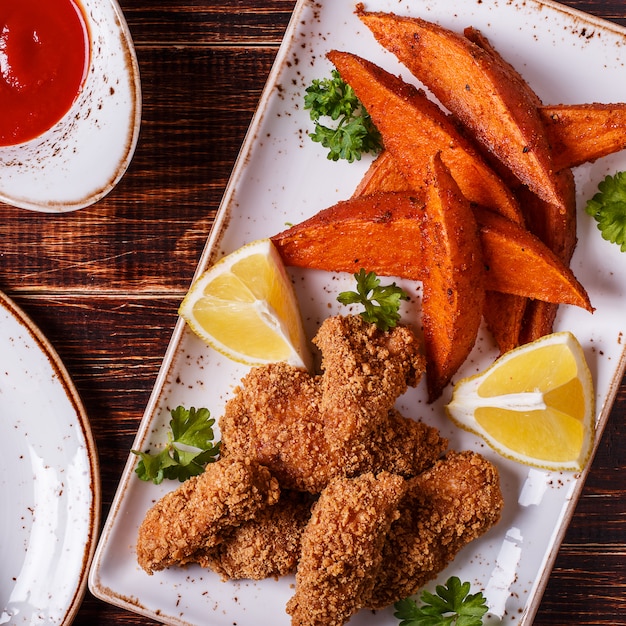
(104, 283)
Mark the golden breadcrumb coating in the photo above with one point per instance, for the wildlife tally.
(446, 507)
(365, 370)
(267, 546)
(310, 429)
(193, 516)
(342, 548)
(404, 446)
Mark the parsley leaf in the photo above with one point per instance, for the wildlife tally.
(188, 449)
(385, 314)
(352, 132)
(453, 605)
(608, 208)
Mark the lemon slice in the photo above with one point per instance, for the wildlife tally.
(534, 404)
(245, 307)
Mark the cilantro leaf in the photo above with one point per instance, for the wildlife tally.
(452, 605)
(608, 208)
(382, 303)
(188, 449)
(352, 132)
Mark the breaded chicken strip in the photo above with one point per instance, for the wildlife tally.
(308, 430)
(365, 371)
(342, 548)
(267, 546)
(405, 446)
(274, 418)
(446, 507)
(195, 515)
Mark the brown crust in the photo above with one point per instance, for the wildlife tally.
(414, 128)
(481, 90)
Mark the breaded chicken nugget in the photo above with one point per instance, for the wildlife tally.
(404, 446)
(365, 371)
(267, 546)
(194, 516)
(445, 508)
(310, 429)
(342, 548)
(274, 418)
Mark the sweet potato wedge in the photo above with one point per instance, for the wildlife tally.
(553, 221)
(520, 259)
(503, 313)
(477, 37)
(577, 133)
(383, 232)
(414, 128)
(453, 287)
(556, 227)
(382, 175)
(581, 133)
(477, 88)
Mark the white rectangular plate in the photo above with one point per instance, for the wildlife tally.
(282, 177)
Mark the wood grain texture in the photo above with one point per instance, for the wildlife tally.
(104, 283)
(149, 232)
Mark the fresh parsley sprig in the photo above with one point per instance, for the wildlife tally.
(453, 605)
(188, 449)
(382, 303)
(352, 131)
(608, 208)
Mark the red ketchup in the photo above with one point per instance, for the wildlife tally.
(44, 58)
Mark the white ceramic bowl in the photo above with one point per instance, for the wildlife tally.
(84, 155)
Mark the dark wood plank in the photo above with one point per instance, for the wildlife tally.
(208, 23)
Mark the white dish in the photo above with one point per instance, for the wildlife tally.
(281, 177)
(49, 480)
(82, 157)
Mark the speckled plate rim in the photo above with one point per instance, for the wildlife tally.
(62, 188)
(86, 439)
(114, 574)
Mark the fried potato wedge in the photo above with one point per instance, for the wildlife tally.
(538, 320)
(414, 128)
(382, 175)
(577, 133)
(453, 287)
(553, 221)
(519, 259)
(477, 88)
(581, 133)
(503, 313)
(383, 233)
(556, 227)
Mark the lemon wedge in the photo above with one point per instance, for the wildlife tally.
(534, 404)
(245, 307)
